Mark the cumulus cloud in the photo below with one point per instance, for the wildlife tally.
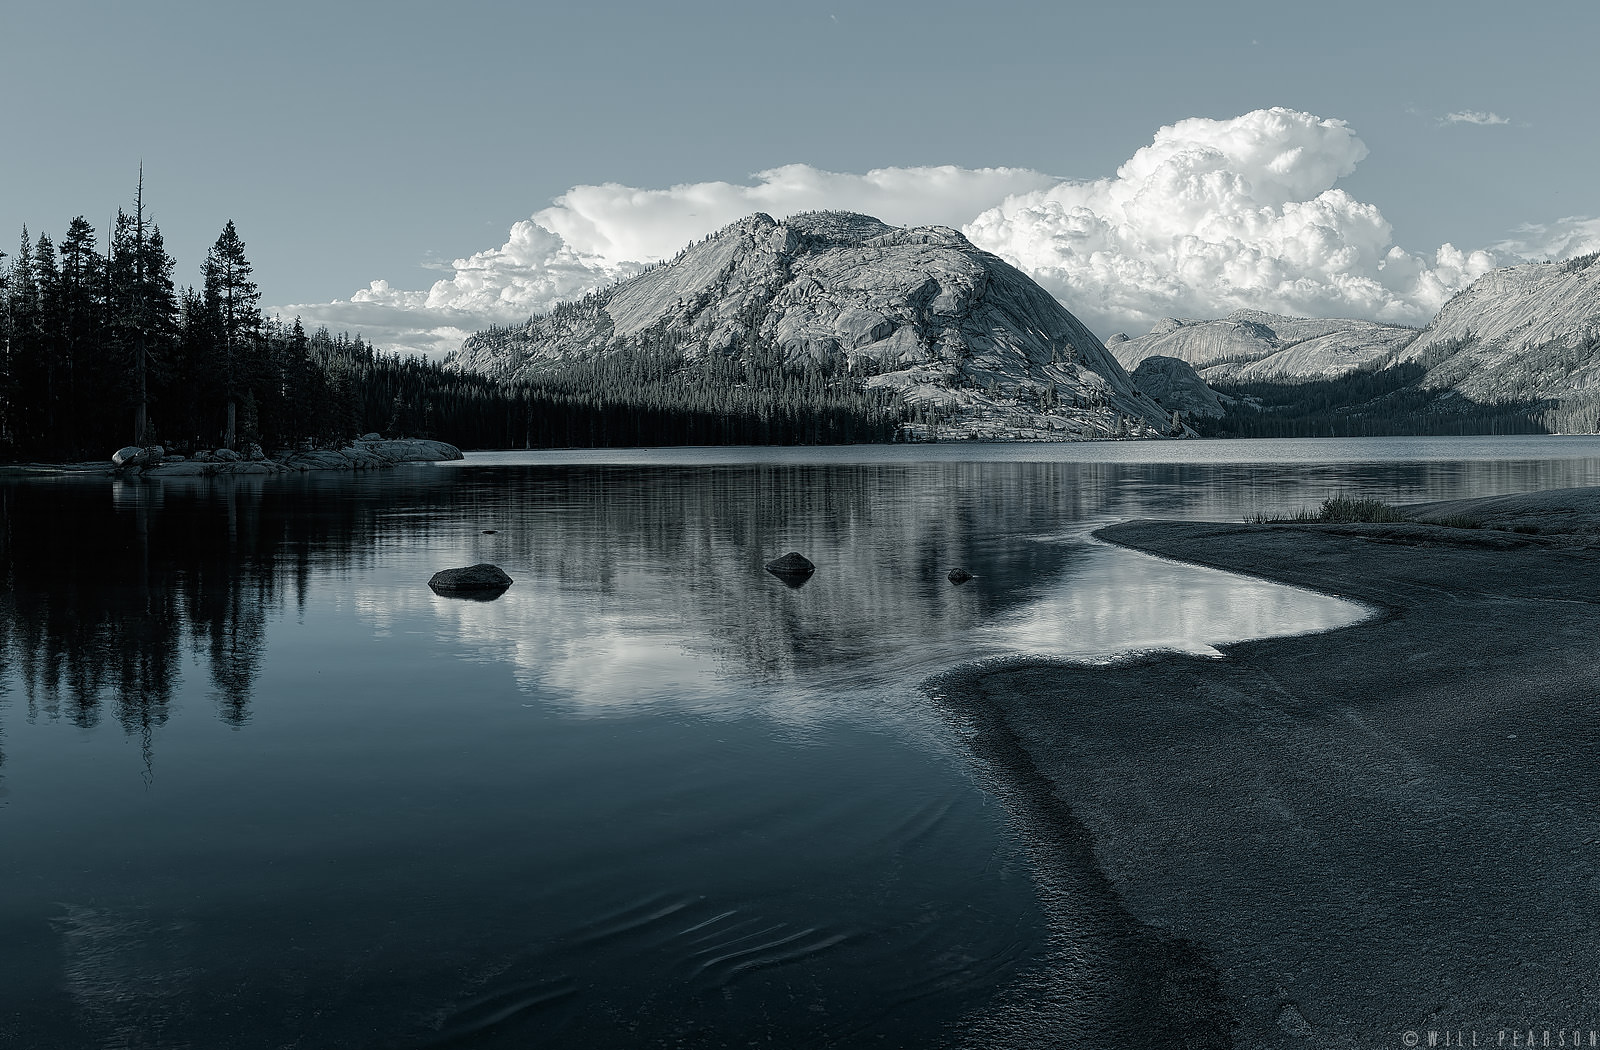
(622, 223)
(1217, 215)
(1211, 216)
(532, 271)
(1474, 116)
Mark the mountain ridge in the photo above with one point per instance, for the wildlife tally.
(1518, 351)
(969, 344)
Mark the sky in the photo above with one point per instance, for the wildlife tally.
(416, 171)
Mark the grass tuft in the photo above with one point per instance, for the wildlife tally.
(1456, 521)
(1339, 509)
(1349, 509)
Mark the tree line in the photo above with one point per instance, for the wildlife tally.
(101, 348)
(1369, 402)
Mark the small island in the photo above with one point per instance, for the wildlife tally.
(369, 452)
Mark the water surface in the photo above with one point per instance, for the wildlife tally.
(260, 787)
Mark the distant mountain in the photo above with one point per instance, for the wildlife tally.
(1523, 334)
(1249, 346)
(966, 344)
(1517, 352)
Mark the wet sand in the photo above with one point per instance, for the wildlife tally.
(1334, 840)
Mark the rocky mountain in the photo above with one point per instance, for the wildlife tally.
(1517, 352)
(1524, 334)
(970, 345)
(1249, 346)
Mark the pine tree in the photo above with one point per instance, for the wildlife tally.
(80, 320)
(231, 300)
(143, 326)
(22, 349)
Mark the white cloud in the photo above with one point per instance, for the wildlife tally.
(1474, 116)
(527, 274)
(1562, 239)
(619, 223)
(1211, 216)
(1215, 215)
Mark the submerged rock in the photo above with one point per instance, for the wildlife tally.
(959, 576)
(793, 565)
(483, 581)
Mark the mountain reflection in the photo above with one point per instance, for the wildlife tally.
(625, 574)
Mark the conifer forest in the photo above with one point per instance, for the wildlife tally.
(102, 346)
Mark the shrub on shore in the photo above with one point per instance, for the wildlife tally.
(1336, 509)
(1347, 510)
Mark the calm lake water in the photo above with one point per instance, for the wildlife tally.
(260, 787)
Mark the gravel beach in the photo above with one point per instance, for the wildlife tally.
(1348, 839)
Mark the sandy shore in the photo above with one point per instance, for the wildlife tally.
(1339, 839)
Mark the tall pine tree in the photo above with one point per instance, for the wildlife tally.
(231, 300)
(143, 314)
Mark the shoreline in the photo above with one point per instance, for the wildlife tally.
(1333, 839)
(362, 454)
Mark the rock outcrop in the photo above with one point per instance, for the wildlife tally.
(920, 312)
(137, 456)
(1177, 387)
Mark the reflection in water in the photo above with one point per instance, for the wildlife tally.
(378, 811)
(110, 583)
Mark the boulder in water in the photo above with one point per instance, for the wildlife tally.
(482, 581)
(793, 565)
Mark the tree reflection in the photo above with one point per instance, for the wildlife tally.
(109, 583)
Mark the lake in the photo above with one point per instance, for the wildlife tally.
(261, 787)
